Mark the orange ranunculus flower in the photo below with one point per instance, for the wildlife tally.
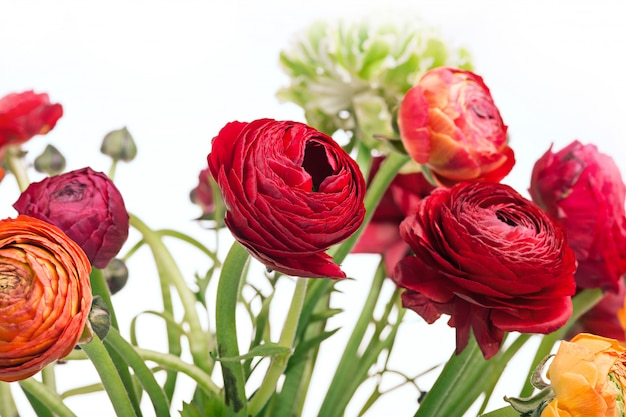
(588, 375)
(45, 296)
(449, 124)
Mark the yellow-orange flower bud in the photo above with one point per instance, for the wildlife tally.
(587, 376)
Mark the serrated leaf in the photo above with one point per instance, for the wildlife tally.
(325, 314)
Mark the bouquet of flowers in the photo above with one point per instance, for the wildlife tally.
(401, 155)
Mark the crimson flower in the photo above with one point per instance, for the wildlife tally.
(290, 193)
(491, 260)
(583, 189)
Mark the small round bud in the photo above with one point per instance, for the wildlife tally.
(116, 275)
(50, 162)
(119, 145)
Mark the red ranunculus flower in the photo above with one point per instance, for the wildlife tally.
(382, 233)
(583, 189)
(24, 115)
(202, 194)
(45, 296)
(290, 193)
(449, 123)
(490, 259)
(86, 205)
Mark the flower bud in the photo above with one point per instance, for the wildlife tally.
(450, 125)
(50, 162)
(116, 275)
(86, 205)
(99, 317)
(119, 145)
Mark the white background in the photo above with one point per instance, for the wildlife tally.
(174, 72)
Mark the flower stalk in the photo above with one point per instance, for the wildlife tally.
(231, 278)
(169, 271)
(279, 362)
(120, 397)
(15, 162)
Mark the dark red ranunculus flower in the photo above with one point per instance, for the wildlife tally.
(24, 115)
(382, 233)
(449, 123)
(202, 194)
(490, 259)
(290, 193)
(583, 189)
(86, 205)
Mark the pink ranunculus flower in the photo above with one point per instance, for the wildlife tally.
(449, 123)
(583, 189)
(86, 205)
(382, 233)
(491, 260)
(24, 115)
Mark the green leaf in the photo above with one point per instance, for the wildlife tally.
(203, 405)
(46, 397)
(305, 347)
(142, 372)
(458, 385)
(232, 274)
(266, 349)
(502, 412)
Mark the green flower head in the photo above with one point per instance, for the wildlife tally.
(351, 76)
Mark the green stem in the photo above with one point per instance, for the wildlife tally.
(582, 302)
(15, 163)
(376, 346)
(169, 271)
(231, 278)
(142, 372)
(49, 378)
(507, 411)
(502, 361)
(173, 362)
(99, 287)
(347, 364)
(7, 404)
(112, 169)
(279, 362)
(385, 174)
(457, 387)
(46, 396)
(110, 378)
(302, 374)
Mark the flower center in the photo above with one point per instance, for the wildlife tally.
(12, 283)
(316, 163)
(71, 192)
(506, 218)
